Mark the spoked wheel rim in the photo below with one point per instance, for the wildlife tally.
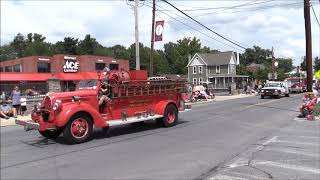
(171, 116)
(79, 128)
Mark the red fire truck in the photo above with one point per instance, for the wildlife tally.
(297, 84)
(133, 99)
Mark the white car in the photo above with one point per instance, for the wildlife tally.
(275, 89)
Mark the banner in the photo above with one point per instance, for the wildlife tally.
(158, 31)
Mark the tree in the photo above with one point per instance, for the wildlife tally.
(316, 65)
(36, 45)
(7, 52)
(303, 64)
(285, 64)
(19, 44)
(88, 45)
(68, 46)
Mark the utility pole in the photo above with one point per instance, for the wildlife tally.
(136, 2)
(272, 66)
(308, 44)
(152, 37)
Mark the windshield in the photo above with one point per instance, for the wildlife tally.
(87, 84)
(272, 85)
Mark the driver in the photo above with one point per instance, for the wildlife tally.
(104, 92)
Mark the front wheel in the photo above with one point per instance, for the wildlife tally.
(51, 134)
(170, 117)
(262, 96)
(78, 129)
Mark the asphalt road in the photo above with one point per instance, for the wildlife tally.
(246, 138)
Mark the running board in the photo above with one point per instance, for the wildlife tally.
(130, 120)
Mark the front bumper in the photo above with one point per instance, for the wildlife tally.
(28, 125)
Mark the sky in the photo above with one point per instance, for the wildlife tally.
(265, 23)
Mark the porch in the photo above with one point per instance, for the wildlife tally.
(225, 81)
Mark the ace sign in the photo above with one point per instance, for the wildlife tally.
(70, 65)
(158, 31)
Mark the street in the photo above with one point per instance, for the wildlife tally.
(246, 138)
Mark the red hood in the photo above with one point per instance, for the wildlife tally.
(81, 93)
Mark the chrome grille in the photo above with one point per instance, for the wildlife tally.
(47, 102)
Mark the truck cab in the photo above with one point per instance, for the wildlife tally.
(275, 89)
(75, 114)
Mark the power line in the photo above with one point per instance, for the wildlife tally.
(248, 9)
(197, 30)
(314, 13)
(185, 18)
(204, 25)
(225, 7)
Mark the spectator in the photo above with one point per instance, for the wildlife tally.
(16, 97)
(23, 105)
(6, 110)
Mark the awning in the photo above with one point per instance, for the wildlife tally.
(46, 76)
(24, 76)
(76, 76)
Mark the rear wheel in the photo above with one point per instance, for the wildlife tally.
(287, 95)
(262, 96)
(170, 117)
(78, 129)
(51, 134)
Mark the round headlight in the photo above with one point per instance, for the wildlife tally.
(262, 90)
(56, 106)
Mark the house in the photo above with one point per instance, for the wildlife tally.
(218, 70)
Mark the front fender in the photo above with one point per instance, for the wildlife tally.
(161, 106)
(68, 110)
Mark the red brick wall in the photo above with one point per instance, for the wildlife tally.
(86, 62)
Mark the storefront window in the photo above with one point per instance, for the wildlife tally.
(44, 67)
(114, 66)
(8, 69)
(17, 68)
(1, 69)
(100, 66)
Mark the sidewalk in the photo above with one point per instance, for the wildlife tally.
(11, 121)
(220, 98)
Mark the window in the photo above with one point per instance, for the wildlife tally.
(8, 69)
(200, 69)
(194, 81)
(114, 66)
(194, 70)
(100, 66)
(44, 67)
(1, 69)
(217, 69)
(200, 80)
(17, 68)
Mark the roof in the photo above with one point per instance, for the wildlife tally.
(76, 76)
(46, 76)
(220, 58)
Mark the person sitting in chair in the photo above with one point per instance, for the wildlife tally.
(104, 93)
(6, 110)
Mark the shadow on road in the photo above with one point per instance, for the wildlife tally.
(147, 128)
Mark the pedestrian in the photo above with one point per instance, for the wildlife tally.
(16, 97)
(23, 105)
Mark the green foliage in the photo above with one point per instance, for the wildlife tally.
(316, 65)
(7, 52)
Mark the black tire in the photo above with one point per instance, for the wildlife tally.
(78, 136)
(51, 134)
(287, 95)
(262, 97)
(170, 117)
